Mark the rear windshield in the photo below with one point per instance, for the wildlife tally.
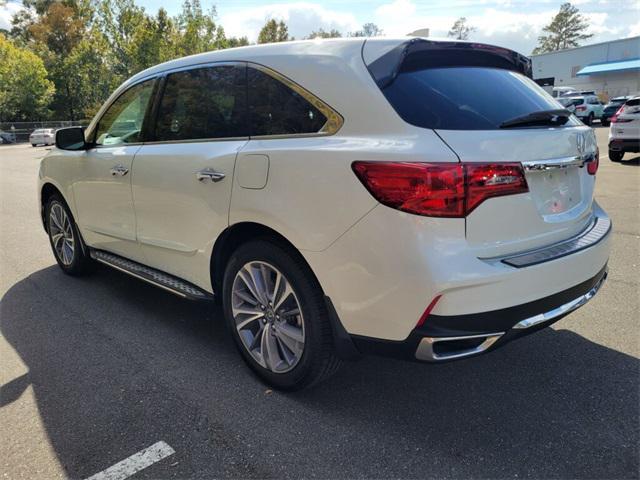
(465, 98)
(567, 102)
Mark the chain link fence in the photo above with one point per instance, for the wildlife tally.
(18, 132)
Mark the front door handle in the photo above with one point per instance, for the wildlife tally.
(119, 170)
(209, 174)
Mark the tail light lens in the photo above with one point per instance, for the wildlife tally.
(615, 118)
(592, 166)
(439, 189)
(581, 108)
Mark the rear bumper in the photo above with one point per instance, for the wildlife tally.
(624, 144)
(446, 338)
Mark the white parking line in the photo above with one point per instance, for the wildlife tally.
(135, 463)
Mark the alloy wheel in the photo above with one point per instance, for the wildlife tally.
(61, 233)
(268, 317)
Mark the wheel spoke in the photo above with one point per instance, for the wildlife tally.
(247, 297)
(269, 350)
(288, 355)
(285, 294)
(289, 331)
(246, 321)
(55, 239)
(247, 279)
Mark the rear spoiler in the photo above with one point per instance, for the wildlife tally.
(419, 54)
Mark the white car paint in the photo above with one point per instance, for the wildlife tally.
(381, 267)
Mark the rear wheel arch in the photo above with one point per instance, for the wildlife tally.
(238, 234)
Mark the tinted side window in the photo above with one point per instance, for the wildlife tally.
(275, 109)
(203, 103)
(122, 122)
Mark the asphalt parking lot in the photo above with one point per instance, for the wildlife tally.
(96, 369)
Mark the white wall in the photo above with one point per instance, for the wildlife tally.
(563, 66)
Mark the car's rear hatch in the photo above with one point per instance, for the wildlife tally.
(469, 94)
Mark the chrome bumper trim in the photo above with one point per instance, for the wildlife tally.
(425, 347)
(562, 309)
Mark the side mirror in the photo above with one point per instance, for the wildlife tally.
(71, 138)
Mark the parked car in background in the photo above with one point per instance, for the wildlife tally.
(624, 133)
(563, 91)
(43, 136)
(7, 137)
(586, 107)
(611, 108)
(327, 147)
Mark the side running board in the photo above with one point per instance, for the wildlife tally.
(155, 277)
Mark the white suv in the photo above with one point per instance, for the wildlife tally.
(586, 107)
(624, 133)
(406, 197)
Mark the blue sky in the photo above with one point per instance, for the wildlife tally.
(511, 23)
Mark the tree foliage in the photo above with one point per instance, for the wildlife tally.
(460, 30)
(368, 30)
(566, 30)
(274, 31)
(25, 91)
(321, 33)
(79, 51)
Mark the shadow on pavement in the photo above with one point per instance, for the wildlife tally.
(116, 364)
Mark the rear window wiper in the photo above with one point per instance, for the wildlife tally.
(542, 117)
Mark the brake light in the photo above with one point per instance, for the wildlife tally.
(581, 108)
(592, 166)
(614, 118)
(439, 189)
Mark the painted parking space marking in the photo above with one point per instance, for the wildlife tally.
(135, 463)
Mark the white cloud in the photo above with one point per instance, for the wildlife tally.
(6, 14)
(301, 18)
(634, 30)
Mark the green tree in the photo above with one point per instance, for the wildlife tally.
(274, 31)
(368, 30)
(566, 30)
(460, 30)
(320, 33)
(198, 30)
(233, 42)
(89, 75)
(25, 91)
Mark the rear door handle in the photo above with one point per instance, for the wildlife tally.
(119, 170)
(209, 174)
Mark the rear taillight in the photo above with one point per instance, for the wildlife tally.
(592, 166)
(581, 108)
(439, 189)
(615, 119)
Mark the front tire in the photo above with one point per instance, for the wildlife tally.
(605, 123)
(65, 238)
(615, 156)
(275, 310)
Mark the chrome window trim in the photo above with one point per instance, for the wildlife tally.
(197, 140)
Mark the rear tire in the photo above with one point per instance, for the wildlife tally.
(590, 119)
(605, 123)
(64, 237)
(280, 300)
(615, 156)
(33, 145)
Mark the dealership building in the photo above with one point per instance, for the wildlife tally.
(611, 69)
